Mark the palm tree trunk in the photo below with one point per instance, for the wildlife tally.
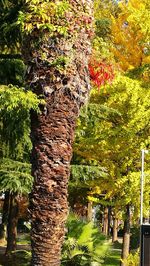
(50, 166)
(52, 132)
(126, 236)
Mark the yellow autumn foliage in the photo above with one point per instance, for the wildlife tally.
(130, 34)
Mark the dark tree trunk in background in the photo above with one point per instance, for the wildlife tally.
(126, 236)
(4, 217)
(52, 131)
(12, 224)
(109, 220)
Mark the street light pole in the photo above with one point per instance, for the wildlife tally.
(144, 229)
(142, 181)
(142, 186)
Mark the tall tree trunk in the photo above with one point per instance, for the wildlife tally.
(105, 221)
(126, 236)
(115, 229)
(89, 211)
(4, 217)
(65, 87)
(12, 224)
(109, 220)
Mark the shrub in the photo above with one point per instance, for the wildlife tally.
(84, 245)
(135, 238)
(133, 259)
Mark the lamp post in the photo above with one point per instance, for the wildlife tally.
(142, 186)
(144, 229)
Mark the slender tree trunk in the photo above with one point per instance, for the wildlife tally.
(89, 211)
(101, 221)
(65, 87)
(126, 236)
(4, 217)
(105, 221)
(109, 220)
(115, 229)
(12, 224)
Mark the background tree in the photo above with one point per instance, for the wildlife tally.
(15, 105)
(112, 131)
(15, 180)
(130, 34)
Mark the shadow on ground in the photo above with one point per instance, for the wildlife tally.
(19, 258)
(114, 255)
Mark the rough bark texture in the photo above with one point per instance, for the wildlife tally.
(126, 236)
(51, 156)
(12, 225)
(52, 133)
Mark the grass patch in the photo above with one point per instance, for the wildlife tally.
(18, 258)
(113, 256)
(117, 245)
(23, 239)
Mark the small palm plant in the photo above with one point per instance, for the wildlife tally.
(84, 245)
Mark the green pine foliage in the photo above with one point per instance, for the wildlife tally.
(15, 106)
(11, 98)
(12, 71)
(15, 176)
(85, 175)
(82, 180)
(10, 33)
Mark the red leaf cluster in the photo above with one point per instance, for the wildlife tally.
(101, 73)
